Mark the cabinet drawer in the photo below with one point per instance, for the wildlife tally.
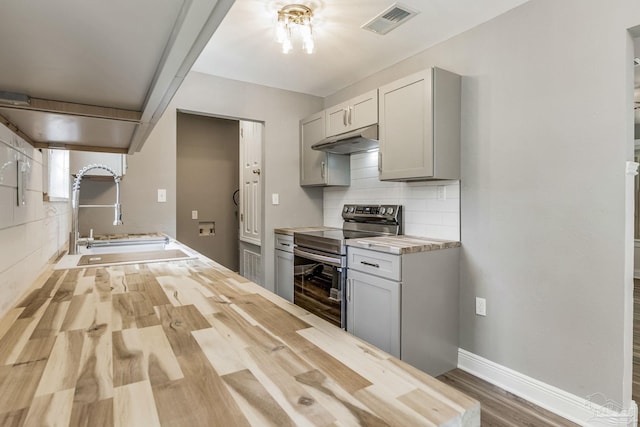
(284, 242)
(376, 263)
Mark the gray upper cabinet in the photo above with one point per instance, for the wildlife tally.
(356, 113)
(318, 168)
(420, 127)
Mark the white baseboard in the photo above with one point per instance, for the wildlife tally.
(594, 411)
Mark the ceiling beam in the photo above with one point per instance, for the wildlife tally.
(79, 147)
(73, 109)
(17, 131)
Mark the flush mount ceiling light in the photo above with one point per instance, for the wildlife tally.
(295, 18)
(14, 98)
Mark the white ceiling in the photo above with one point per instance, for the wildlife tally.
(243, 48)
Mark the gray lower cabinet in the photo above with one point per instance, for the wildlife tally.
(284, 266)
(407, 305)
(373, 310)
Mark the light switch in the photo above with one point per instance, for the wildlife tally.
(275, 199)
(194, 214)
(162, 195)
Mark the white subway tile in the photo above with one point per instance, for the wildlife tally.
(13, 246)
(7, 200)
(8, 166)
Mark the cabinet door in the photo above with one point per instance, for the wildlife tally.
(373, 310)
(313, 163)
(358, 112)
(406, 128)
(284, 274)
(251, 182)
(363, 110)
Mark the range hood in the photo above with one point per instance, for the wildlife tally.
(356, 141)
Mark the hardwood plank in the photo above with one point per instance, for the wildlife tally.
(429, 407)
(16, 338)
(162, 365)
(51, 409)
(61, 371)
(134, 405)
(346, 377)
(18, 384)
(35, 350)
(319, 381)
(273, 318)
(51, 321)
(259, 399)
(123, 315)
(8, 320)
(102, 284)
(128, 359)
(220, 351)
(38, 297)
(67, 287)
(13, 418)
(388, 408)
(92, 414)
(500, 406)
(296, 396)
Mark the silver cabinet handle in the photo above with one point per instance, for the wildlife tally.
(350, 110)
(349, 281)
(322, 166)
(285, 244)
(379, 161)
(370, 264)
(344, 117)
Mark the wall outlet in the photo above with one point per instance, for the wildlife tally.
(162, 195)
(481, 306)
(194, 214)
(442, 192)
(275, 199)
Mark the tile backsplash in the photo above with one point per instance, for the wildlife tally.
(431, 208)
(30, 234)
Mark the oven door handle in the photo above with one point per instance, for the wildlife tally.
(316, 257)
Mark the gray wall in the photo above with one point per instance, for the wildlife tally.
(547, 128)
(207, 176)
(155, 166)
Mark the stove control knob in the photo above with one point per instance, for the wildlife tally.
(346, 209)
(383, 210)
(389, 211)
(351, 208)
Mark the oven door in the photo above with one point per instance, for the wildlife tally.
(319, 280)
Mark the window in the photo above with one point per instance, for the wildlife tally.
(57, 175)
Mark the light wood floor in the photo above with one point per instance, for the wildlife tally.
(498, 407)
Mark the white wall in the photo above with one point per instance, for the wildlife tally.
(30, 235)
(424, 213)
(547, 129)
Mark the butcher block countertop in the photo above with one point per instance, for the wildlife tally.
(402, 244)
(189, 343)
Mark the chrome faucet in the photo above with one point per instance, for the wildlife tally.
(74, 236)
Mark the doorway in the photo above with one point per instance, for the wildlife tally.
(207, 179)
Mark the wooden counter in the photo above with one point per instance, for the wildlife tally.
(188, 343)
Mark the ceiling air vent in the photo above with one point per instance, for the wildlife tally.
(389, 19)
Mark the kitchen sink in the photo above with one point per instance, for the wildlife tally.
(124, 251)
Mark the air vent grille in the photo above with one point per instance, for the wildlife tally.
(390, 18)
(396, 14)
